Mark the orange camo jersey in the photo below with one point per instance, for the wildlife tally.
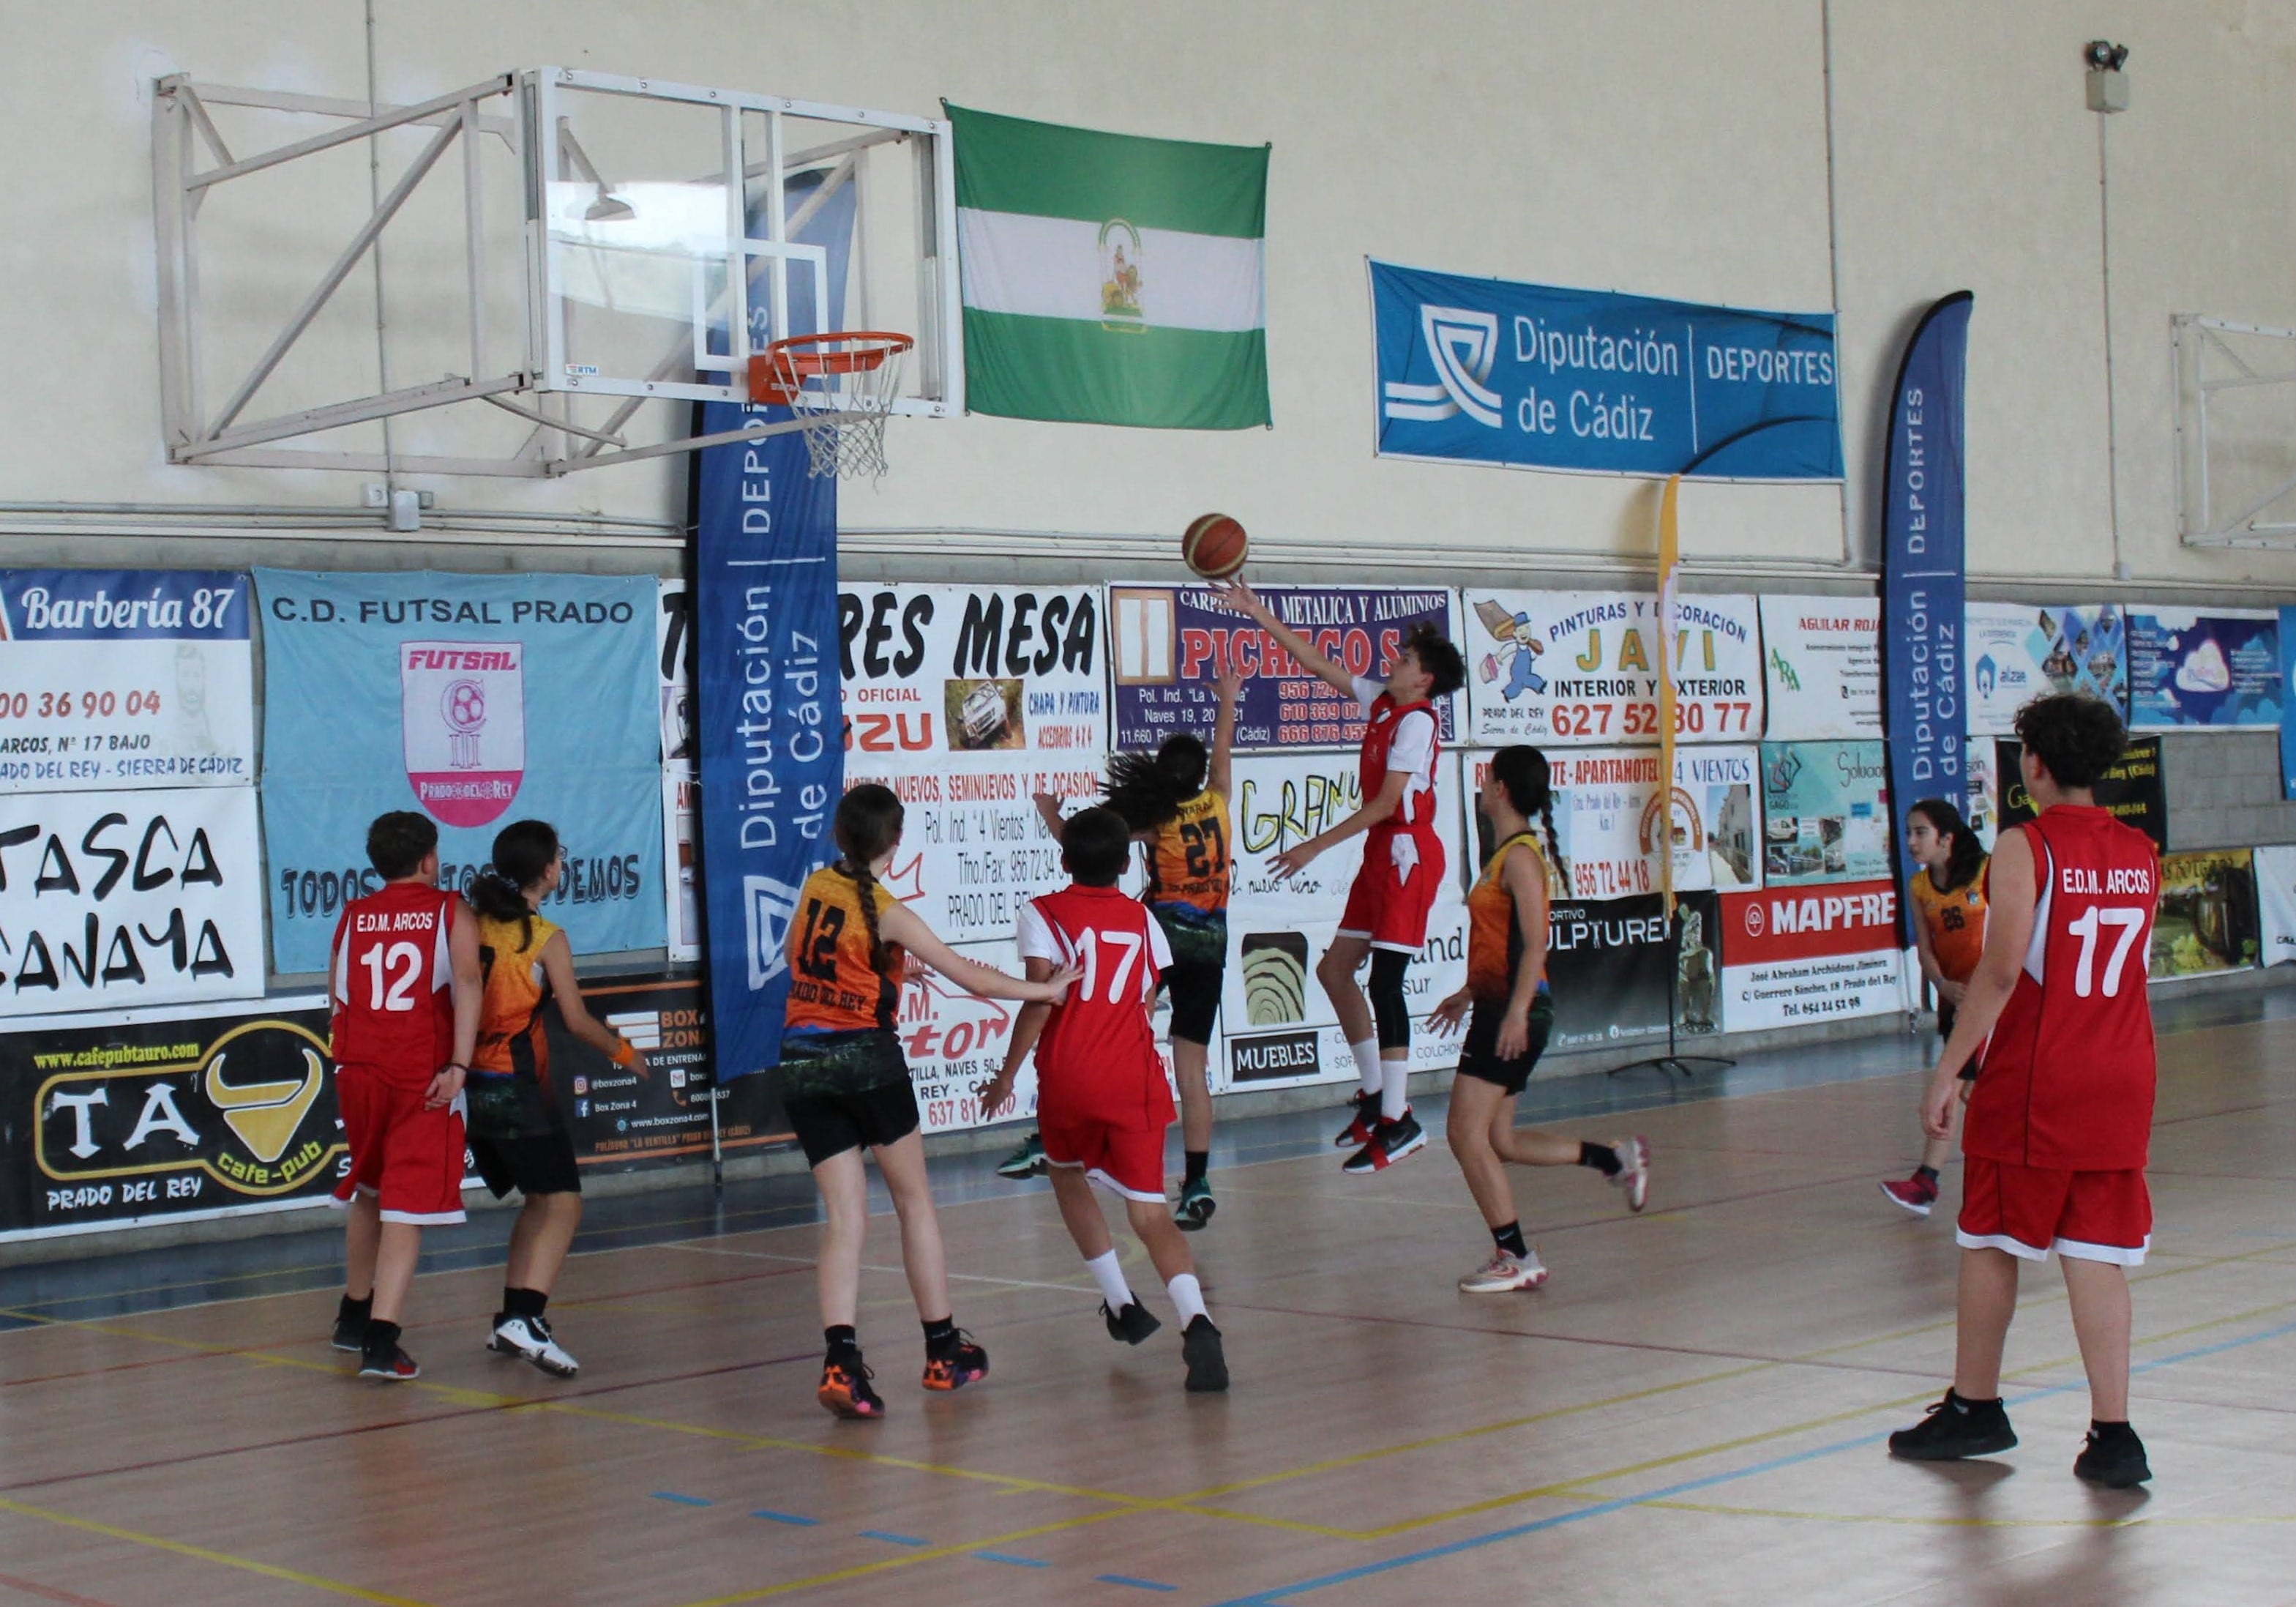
(1493, 937)
(1955, 920)
(510, 1035)
(1188, 857)
(839, 981)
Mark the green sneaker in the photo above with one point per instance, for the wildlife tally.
(1196, 1206)
(1027, 1161)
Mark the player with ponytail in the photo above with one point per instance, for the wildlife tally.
(1509, 1010)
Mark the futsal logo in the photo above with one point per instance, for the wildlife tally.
(1464, 345)
(462, 723)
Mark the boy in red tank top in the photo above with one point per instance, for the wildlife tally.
(403, 977)
(1102, 1103)
(2061, 1116)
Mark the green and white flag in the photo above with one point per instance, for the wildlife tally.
(1109, 279)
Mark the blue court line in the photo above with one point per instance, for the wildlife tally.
(772, 1516)
(1118, 1578)
(1278, 1594)
(1010, 1560)
(891, 1540)
(680, 1500)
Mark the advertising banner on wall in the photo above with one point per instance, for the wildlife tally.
(112, 678)
(2276, 901)
(1826, 813)
(1608, 961)
(116, 900)
(1169, 642)
(2017, 652)
(1983, 809)
(2287, 702)
(2133, 788)
(478, 700)
(124, 1118)
(1789, 957)
(1277, 1027)
(621, 1120)
(1923, 568)
(2216, 668)
(1822, 664)
(1608, 813)
(681, 780)
(2208, 916)
(1557, 667)
(1475, 370)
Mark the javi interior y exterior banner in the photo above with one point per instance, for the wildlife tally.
(112, 678)
(1551, 667)
(478, 700)
(1924, 563)
(1535, 376)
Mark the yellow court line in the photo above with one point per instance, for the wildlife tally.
(2131, 1521)
(930, 1555)
(221, 1557)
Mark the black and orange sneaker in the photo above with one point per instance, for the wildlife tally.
(1364, 1116)
(961, 1364)
(845, 1391)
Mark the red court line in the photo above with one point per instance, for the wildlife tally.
(49, 1593)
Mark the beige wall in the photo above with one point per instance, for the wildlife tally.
(1676, 147)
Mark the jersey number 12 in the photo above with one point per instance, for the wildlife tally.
(403, 962)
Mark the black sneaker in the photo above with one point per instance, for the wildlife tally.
(1200, 1348)
(350, 1334)
(1390, 1142)
(1954, 1429)
(1363, 1115)
(2114, 1459)
(1133, 1324)
(393, 1366)
(844, 1389)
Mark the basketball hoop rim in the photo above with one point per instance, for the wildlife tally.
(790, 351)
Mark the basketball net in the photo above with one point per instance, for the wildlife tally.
(841, 386)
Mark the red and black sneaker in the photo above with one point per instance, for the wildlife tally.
(963, 1363)
(845, 1391)
(1357, 1133)
(1916, 1193)
(392, 1367)
(1389, 1142)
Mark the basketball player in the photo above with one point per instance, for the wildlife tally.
(518, 1132)
(1387, 909)
(1947, 893)
(845, 1086)
(1512, 1010)
(403, 976)
(1102, 1101)
(2058, 1125)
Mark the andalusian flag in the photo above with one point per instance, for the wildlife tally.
(1109, 279)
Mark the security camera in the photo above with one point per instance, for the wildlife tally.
(2108, 90)
(2104, 55)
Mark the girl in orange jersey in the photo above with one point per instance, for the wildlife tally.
(1947, 900)
(845, 1085)
(1509, 1010)
(518, 1132)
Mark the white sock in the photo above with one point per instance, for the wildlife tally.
(1367, 1054)
(1110, 1276)
(1395, 1089)
(1187, 1297)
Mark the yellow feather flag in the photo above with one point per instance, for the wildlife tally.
(1668, 627)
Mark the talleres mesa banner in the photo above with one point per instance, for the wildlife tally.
(2133, 788)
(2208, 915)
(1532, 376)
(1793, 956)
(112, 678)
(1615, 815)
(1169, 642)
(478, 700)
(1826, 813)
(2204, 668)
(1821, 663)
(1550, 667)
(111, 1119)
(2017, 652)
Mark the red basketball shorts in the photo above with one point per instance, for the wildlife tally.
(2029, 1211)
(406, 1159)
(1388, 905)
(1126, 1160)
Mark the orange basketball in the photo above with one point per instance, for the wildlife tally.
(1214, 546)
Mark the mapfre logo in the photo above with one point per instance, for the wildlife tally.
(1464, 345)
(461, 710)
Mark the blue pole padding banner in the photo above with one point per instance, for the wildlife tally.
(2288, 702)
(1533, 376)
(1924, 570)
(767, 714)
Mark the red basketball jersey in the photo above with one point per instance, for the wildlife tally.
(392, 980)
(1097, 1059)
(1416, 813)
(2068, 1074)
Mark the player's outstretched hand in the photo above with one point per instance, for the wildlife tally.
(444, 1087)
(1056, 985)
(1234, 593)
(1230, 682)
(1451, 1012)
(995, 1096)
(1293, 860)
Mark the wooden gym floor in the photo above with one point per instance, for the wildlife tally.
(1691, 1411)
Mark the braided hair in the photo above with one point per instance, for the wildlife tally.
(1524, 773)
(868, 823)
(524, 852)
(1147, 789)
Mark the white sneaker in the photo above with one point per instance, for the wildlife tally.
(1633, 1169)
(1505, 1273)
(529, 1340)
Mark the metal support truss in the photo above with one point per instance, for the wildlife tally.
(2236, 412)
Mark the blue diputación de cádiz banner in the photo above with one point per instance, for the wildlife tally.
(478, 700)
(1923, 568)
(1533, 376)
